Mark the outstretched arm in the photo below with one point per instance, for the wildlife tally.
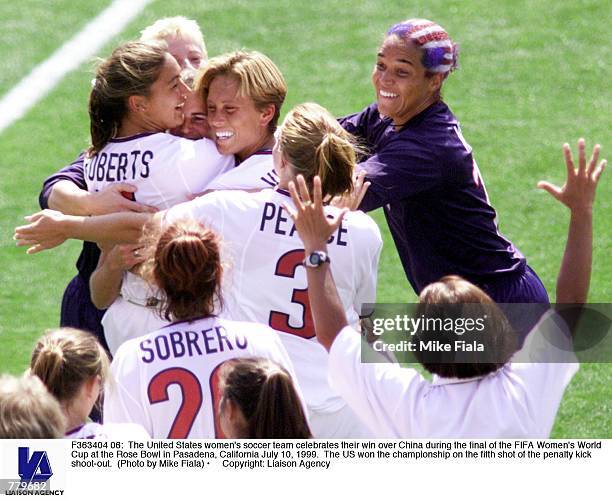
(315, 229)
(578, 194)
(48, 228)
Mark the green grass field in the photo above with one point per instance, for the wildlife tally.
(532, 75)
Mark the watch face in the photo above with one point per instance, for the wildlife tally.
(315, 259)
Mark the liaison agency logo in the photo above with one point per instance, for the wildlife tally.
(34, 465)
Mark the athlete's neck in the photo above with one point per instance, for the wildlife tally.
(132, 125)
(73, 419)
(266, 142)
(399, 122)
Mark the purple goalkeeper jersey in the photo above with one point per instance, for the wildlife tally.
(427, 181)
(88, 259)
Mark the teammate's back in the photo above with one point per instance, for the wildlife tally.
(167, 380)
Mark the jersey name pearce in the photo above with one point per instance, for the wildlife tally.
(276, 220)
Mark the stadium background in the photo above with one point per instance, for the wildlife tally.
(532, 75)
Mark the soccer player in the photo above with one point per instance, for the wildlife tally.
(424, 175)
(182, 36)
(168, 380)
(259, 400)
(66, 190)
(138, 94)
(27, 410)
(73, 365)
(245, 91)
(510, 399)
(266, 282)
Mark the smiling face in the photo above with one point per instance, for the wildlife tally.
(187, 53)
(402, 88)
(195, 124)
(237, 126)
(162, 108)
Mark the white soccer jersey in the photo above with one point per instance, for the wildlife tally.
(128, 317)
(266, 281)
(520, 400)
(120, 432)
(167, 380)
(256, 172)
(133, 313)
(166, 169)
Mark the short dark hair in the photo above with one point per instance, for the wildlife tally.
(454, 297)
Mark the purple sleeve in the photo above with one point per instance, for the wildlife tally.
(357, 124)
(400, 170)
(73, 173)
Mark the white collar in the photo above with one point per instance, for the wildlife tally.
(437, 380)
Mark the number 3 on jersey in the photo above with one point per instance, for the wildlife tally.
(286, 267)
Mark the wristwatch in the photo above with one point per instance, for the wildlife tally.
(316, 259)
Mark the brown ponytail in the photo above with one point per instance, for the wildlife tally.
(314, 143)
(267, 398)
(185, 264)
(66, 358)
(130, 70)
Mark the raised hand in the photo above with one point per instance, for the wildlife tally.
(308, 216)
(353, 200)
(578, 192)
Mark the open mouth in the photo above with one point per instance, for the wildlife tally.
(224, 135)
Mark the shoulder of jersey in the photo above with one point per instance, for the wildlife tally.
(357, 218)
(241, 198)
(246, 327)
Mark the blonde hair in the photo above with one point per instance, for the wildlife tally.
(314, 143)
(65, 358)
(28, 411)
(258, 79)
(175, 27)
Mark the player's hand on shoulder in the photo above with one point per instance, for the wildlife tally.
(44, 231)
(353, 199)
(125, 257)
(578, 192)
(118, 197)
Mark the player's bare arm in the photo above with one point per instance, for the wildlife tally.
(49, 228)
(105, 282)
(578, 194)
(315, 229)
(70, 199)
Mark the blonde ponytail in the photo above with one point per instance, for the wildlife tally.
(314, 143)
